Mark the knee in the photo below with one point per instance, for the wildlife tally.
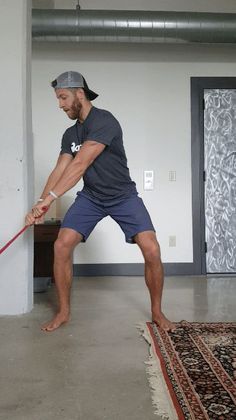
(62, 247)
(151, 253)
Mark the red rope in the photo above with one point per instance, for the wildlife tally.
(13, 239)
(18, 234)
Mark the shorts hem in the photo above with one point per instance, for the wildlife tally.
(130, 239)
(77, 231)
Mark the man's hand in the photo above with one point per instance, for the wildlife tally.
(40, 220)
(36, 216)
(30, 219)
(40, 209)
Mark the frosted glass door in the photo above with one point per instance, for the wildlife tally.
(220, 179)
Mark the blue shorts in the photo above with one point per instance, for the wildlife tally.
(130, 213)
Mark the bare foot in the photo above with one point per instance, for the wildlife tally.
(163, 322)
(56, 322)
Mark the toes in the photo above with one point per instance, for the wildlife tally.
(165, 325)
(53, 325)
(48, 327)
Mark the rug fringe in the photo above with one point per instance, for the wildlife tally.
(160, 396)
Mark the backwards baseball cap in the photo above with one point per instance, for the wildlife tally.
(73, 79)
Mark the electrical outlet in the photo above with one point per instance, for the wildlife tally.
(172, 241)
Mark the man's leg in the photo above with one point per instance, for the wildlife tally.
(154, 276)
(63, 249)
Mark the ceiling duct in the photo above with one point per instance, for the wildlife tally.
(133, 26)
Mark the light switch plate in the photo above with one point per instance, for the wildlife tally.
(172, 176)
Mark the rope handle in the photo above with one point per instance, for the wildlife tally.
(45, 209)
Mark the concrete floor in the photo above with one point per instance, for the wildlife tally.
(93, 368)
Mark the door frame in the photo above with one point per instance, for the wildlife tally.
(198, 84)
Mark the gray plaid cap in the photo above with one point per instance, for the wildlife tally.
(73, 79)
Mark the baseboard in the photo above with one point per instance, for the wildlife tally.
(136, 269)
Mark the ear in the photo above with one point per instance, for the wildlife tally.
(80, 94)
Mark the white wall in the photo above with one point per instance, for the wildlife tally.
(16, 158)
(147, 87)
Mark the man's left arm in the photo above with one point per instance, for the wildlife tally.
(88, 152)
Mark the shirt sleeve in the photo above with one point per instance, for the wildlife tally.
(104, 129)
(66, 142)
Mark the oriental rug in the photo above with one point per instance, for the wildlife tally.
(192, 370)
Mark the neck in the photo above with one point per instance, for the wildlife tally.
(85, 110)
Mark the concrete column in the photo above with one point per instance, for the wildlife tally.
(16, 156)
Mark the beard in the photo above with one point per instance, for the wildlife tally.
(74, 111)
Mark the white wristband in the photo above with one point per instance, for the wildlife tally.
(53, 194)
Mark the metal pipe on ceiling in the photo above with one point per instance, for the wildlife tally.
(132, 26)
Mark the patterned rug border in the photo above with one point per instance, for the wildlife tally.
(156, 374)
(164, 399)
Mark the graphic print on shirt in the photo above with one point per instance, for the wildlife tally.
(75, 147)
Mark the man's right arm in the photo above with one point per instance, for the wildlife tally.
(63, 161)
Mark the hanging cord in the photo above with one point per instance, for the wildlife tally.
(45, 209)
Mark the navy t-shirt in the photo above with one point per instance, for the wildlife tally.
(107, 178)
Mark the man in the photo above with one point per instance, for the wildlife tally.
(93, 149)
